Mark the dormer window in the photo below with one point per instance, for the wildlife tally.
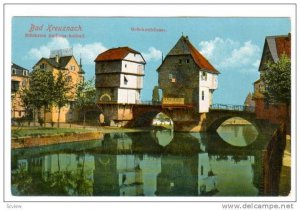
(14, 71)
(72, 68)
(24, 73)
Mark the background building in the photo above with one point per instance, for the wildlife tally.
(67, 63)
(119, 75)
(186, 77)
(19, 80)
(274, 48)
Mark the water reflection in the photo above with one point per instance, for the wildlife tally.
(238, 135)
(124, 164)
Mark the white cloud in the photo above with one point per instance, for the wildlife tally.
(152, 54)
(226, 54)
(88, 52)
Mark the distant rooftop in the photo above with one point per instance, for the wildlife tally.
(19, 70)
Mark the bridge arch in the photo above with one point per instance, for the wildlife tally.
(144, 115)
(216, 117)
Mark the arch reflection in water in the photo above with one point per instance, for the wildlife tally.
(238, 132)
(163, 136)
(123, 165)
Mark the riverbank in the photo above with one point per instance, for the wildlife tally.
(29, 141)
(39, 136)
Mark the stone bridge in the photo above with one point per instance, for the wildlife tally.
(185, 118)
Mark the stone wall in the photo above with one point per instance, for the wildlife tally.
(186, 78)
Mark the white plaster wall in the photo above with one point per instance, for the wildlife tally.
(134, 57)
(206, 85)
(132, 67)
(211, 82)
(128, 96)
(204, 104)
(135, 82)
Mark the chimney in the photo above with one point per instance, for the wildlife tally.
(56, 58)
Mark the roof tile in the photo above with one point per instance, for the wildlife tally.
(115, 54)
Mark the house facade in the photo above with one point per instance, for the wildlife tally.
(249, 102)
(19, 80)
(75, 75)
(187, 78)
(119, 75)
(274, 48)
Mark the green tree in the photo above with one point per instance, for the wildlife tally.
(155, 94)
(277, 80)
(62, 94)
(40, 93)
(85, 95)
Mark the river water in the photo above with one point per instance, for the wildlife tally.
(152, 163)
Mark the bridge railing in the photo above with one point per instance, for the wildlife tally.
(232, 107)
(136, 102)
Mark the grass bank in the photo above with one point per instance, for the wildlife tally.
(39, 131)
(66, 129)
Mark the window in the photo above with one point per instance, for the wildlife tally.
(187, 60)
(125, 65)
(180, 61)
(125, 80)
(69, 78)
(202, 95)
(203, 76)
(24, 73)
(172, 78)
(72, 68)
(15, 86)
(13, 71)
(72, 105)
(20, 113)
(43, 66)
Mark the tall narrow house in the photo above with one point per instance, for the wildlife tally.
(187, 78)
(119, 75)
(274, 48)
(19, 81)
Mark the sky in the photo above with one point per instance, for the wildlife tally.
(232, 45)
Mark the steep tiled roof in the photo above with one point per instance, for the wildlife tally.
(61, 64)
(115, 54)
(279, 45)
(184, 47)
(63, 61)
(283, 45)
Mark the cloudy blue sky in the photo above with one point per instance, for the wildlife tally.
(233, 45)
